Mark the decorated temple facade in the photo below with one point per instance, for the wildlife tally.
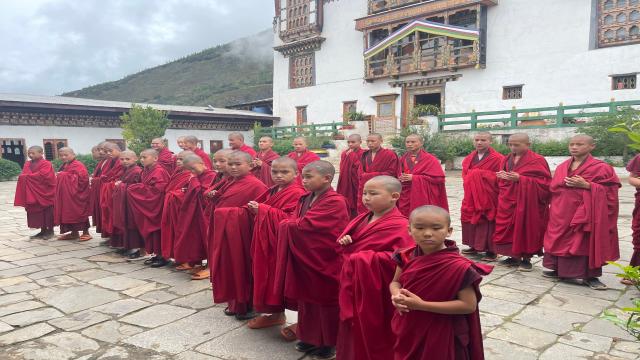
(385, 57)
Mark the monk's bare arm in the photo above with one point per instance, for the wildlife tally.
(466, 303)
(395, 285)
(634, 180)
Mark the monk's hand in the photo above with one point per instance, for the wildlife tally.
(212, 193)
(501, 175)
(411, 300)
(118, 183)
(511, 176)
(253, 206)
(577, 182)
(346, 240)
(406, 177)
(398, 302)
(257, 162)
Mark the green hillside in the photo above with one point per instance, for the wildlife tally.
(237, 72)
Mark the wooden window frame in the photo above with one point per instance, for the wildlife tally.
(215, 145)
(627, 25)
(55, 147)
(507, 92)
(632, 81)
(304, 119)
(293, 69)
(345, 108)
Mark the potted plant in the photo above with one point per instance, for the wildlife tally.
(355, 116)
(337, 136)
(347, 127)
(422, 110)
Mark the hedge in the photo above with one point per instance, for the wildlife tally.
(87, 160)
(9, 170)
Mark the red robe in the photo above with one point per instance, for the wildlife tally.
(348, 178)
(71, 205)
(94, 198)
(438, 277)
(523, 207)
(204, 156)
(634, 168)
(171, 216)
(303, 160)
(167, 160)
(35, 192)
(107, 184)
(146, 200)
(309, 265)
(263, 172)
(191, 232)
(480, 202)
(248, 149)
(384, 163)
(125, 233)
(582, 234)
(230, 243)
(274, 207)
(427, 186)
(365, 309)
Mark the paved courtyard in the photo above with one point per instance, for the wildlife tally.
(69, 300)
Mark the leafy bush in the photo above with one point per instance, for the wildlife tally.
(551, 147)
(444, 147)
(611, 143)
(631, 323)
(283, 147)
(141, 125)
(9, 170)
(87, 160)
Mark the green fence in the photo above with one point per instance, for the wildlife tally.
(311, 130)
(531, 118)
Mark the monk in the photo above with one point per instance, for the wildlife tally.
(309, 262)
(236, 142)
(582, 234)
(436, 293)
(480, 202)
(71, 204)
(101, 166)
(230, 238)
(191, 144)
(348, 178)
(146, 200)
(263, 159)
(166, 159)
(107, 183)
(125, 233)
(375, 162)
(422, 178)
(36, 192)
(302, 155)
(171, 216)
(366, 247)
(523, 204)
(269, 209)
(180, 142)
(634, 180)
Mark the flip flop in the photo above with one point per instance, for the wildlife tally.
(85, 237)
(266, 321)
(595, 284)
(200, 275)
(184, 266)
(67, 237)
(289, 332)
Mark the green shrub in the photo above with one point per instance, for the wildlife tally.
(9, 170)
(627, 317)
(551, 147)
(611, 143)
(283, 147)
(141, 125)
(87, 160)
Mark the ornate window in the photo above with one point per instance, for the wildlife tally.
(512, 92)
(299, 18)
(624, 82)
(301, 115)
(301, 70)
(51, 147)
(347, 108)
(618, 22)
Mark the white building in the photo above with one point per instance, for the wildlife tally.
(382, 57)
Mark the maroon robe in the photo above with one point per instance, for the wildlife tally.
(36, 192)
(248, 149)
(230, 243)
(204, 156)
(94, 199)
(523, 207)
(427, 185)
(480, 202)
(365, 309)
(348, 178)
(71, 205)
(438, 277)
(634, 168)
(107, 184)
(146, 200)
(263, 172)
(384, 163)
(582, 234)
(274, 206)
(303, 160)
(309, 265)
(167, 160)
(171, 216)
(125, 233)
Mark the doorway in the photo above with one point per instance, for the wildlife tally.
(427, 99)
(414, 96)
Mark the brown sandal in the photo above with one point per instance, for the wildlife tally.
(184, 267)
(85, 237)
(200, 275)
(266, 321)
(289, 332)
(67, 237)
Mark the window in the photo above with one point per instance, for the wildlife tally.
(200, 145)
(618, 22)
(298, 14)
(385, 109)
(301, 115)
(215, 145)
(512, 92)
(51, 147)
(348, 107)
(301, 70)
(623, 82)
(120, 142)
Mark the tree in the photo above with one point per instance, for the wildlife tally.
(141, 125)
(611, 143)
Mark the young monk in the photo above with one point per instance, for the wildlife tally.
(374, 162)
(367, 244)
(302, 155)
(582, 234)
(634, 180)
(348, 178)
(125, 233)
(263, 159)
(146, 200)
(166, 159)
(422, 178)
(171, 216)
(236, 142)
(270, 208)
(36, 191)
(191, 144)
(107, 184)
(180, 142)
(95, 186)
(230, 238)
(309, 263)
(71, 205)
(436, 293)
(480, 202)
(523, 204)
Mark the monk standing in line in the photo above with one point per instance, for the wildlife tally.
(348, 178)
(71, 205)
(181, 144)
(634, 180)
(523, 204)
(422, 178)
(125, 233)
(582, 234)
(480, 202)
(95, 186)
(107, 184)
(191, 144)
(375, 162)
(302, 155)
(166, 159)
(263, 159)
(236, 142)
(36, 192)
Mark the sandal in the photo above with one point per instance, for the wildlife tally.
(289, 333)
(85, 237)
(229, 312)
(67, 237)
(197, 269)
(595, 284)
(200, 275)
(184, 266)
(266, 321)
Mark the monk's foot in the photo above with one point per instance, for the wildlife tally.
(85, 237)
(289, 333)
(266, 321)
(304, 347)
(552, 274)
(36, 236)
(246, 316)
(201, 275)
(595, 284)
(150, 260)
(184, 267)
(121, 251)
(489, 257)
(160, 262)
(525, 265)
(228, 312)
(324, 353)
(511, 262)
(48, 234)
(470, 251)
(70, 236)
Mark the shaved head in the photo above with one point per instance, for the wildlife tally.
(192, 159)
(484, 134)
(149, 152)
(66, 150)
(376, 135)
(390, 183)
(190, 139)
(236, 135)
(224, 152)
(186, 153)
(243, 156)
(520, 137)
(322, 167)
(36, 148)
(266, 137)
(129, 153)
(586, 138)
(430, 210)
(159, 139)
(355, 137)
(301, 138)
(286, 161)
(110, 145)
(416, 137)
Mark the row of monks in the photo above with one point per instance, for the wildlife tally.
(368, 267)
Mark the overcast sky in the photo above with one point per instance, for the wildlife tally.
(48, 47)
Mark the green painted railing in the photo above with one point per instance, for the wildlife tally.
(310, 130)
(531, 118)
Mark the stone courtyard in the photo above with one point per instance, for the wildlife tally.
(69, 300)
